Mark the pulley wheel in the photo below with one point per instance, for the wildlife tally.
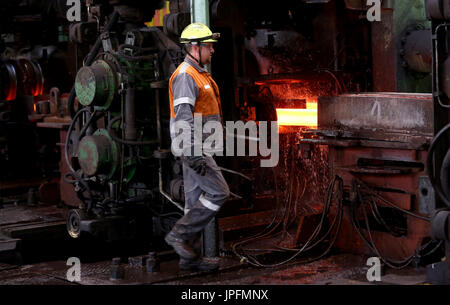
(73, 224)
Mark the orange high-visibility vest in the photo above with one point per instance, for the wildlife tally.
(208, 100)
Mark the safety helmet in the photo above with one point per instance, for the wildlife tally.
(198, 32)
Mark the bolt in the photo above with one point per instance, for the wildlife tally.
(152, 263)
(116, 261)
(32, 197)
(117, 271)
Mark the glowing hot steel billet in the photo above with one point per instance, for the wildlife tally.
(297, 117)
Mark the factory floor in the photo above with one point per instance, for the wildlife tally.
(43, 260)
(343, 269)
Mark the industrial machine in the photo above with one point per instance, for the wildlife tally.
(117, 146)
(437, 160)
(360, 106)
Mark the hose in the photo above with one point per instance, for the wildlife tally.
(69, 164)
(395, 264)
(370, 191)
(126, 142)
(92, 55)
(236, 173)
(306, 246)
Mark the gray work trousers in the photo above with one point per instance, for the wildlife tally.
(204, 196)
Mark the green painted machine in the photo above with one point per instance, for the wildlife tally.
(117, 147)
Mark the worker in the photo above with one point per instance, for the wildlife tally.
(193, 91)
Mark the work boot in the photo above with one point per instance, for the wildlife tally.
(197, 265)
(180, 246)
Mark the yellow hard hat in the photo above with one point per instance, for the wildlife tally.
(198, 32)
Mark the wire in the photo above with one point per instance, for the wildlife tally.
(69, 164)
(370, 191)
(395, 264)
(338, 83)
(338, 220)
(234, 172)
(268, 229)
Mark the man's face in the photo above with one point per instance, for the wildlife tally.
(206, 51)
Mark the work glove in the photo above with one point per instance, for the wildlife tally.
(197, 163)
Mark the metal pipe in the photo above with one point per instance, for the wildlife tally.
(130, 115)
(92, 55)
(164, 193)
(158, 118)
(121, 141)
(158, 128)
(87, 128)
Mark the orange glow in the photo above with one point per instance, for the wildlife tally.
(297, 117)
(35, 108)
(38, 90)
(311, 105)
(11, 96)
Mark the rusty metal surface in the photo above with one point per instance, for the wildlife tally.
(409, 114)
(401, 189)
(376, 170)
(384, 53)
(245, 220)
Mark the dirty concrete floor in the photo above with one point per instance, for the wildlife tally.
(342, 269)
(338, 269)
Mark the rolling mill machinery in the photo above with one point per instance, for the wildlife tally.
(111, 117)
(351, 96)
(121, 139)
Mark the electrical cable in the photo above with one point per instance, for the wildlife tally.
(126, 142)
(379, 218)
(395, 264)
(253, 261)
(69, 164)
(372, 192)
(269, 229)
(319, 227)
(235, 172)
(341, 89)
